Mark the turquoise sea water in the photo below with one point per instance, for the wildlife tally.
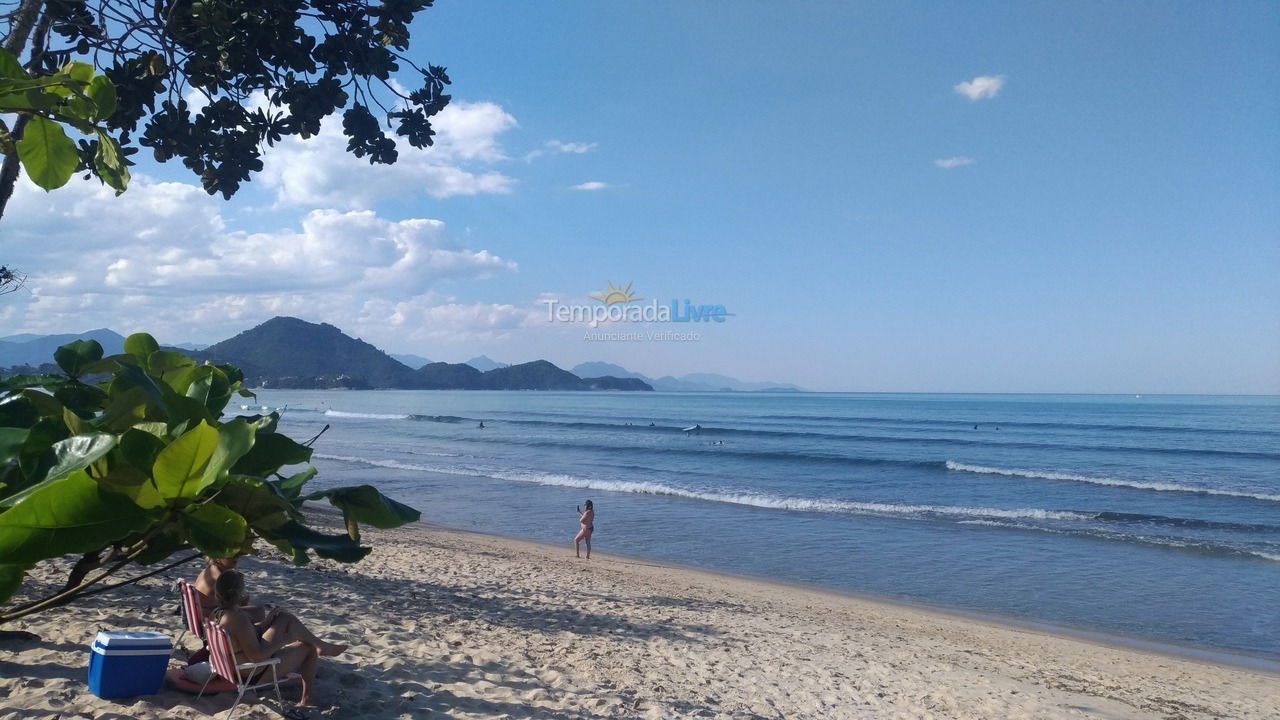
(1156, 517)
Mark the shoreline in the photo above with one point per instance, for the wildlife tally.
(445, 622)
(1232, 659)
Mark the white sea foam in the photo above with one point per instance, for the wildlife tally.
(1157, 540)
(774, 502)
(1112, 482)
(965, 515)
(391, 464)
(778, 502)
(366, 416)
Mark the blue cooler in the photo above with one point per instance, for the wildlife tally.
(126, 664)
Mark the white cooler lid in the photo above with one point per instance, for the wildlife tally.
(132, 639)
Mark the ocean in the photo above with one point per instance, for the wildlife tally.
(1148, 517)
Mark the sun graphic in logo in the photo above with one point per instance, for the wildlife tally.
(615, 295)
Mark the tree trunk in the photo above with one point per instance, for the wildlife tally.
(9, 171)
(16, 43)
(23, 21)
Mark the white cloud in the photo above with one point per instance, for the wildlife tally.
(954, 161)
(981, 87)
(161, 258)
(592, 185)
(320, 172)
(556, 147)
(575, 148)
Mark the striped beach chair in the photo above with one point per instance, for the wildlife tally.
(223, 659)
(192, 612)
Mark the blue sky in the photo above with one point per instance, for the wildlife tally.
(1110, 221)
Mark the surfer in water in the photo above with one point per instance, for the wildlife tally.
(587, 520)
(480, 426)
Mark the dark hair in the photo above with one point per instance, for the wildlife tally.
(589, 505)
(229, 590)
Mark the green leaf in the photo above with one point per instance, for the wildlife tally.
(140, 448)
(291, 487)
(134, 375)
(259, 501)
(294, 536)
(83, 72)
(126, 407)
(162, 546)
(71, 515)
(37, 454)
(75, 424)
(47, 153)
(215, 530)
(11, 442)
(109, 165)
(158, 429)
(108, 364)
(70, 455)
(270, 453)
(17, 411)
(42, 95)
(10, 580)
(235, 440)
(84, 400)
(180, 468)
(134, 484)
(45, 404)
(103, 95)
(162, 362)
(365, 504)
(80, 451)
(74, 357)
(140, 345)
(10, 67)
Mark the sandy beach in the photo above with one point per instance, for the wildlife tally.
(446, 623)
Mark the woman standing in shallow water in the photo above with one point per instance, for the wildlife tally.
(588, 522)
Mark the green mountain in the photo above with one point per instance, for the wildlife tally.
(286, 352)
(448, 376)
(536, 375)
(609, 382)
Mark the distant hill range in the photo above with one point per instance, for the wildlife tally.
(693, 382)
(484, 363)
(36, 350)
(286, 352)
(413, 361)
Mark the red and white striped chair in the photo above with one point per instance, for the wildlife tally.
(223, 659)
(192, 612)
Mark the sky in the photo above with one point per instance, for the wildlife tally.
(915, 197)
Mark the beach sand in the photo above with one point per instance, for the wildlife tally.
(446, 623)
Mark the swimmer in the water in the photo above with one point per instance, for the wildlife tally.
(481, 425)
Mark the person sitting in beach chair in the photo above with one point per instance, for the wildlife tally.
(208, 577)
(260, 615)
(278, 635)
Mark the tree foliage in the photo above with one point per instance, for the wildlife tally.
(73, 96)
(262, 70)
(130, 458)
